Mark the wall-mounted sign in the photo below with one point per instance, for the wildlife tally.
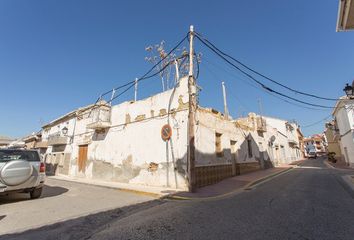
(166, 132)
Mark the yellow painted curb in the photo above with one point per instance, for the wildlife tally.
(259, 180)
(204, 198)
(262, 179)
(156, 195)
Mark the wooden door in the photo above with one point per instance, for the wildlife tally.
(82, 158)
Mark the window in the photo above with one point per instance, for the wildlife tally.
(233, 146)
(7, 155)
(249, 146)
(218, 147)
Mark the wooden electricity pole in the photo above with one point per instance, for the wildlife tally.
(192, 104)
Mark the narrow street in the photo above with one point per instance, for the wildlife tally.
(60, 201)
(309, 202)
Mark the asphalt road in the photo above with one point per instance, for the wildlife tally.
(60, 201)
(309, 202)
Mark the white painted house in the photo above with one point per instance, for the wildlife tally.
(286, 146)
(123, 142)
(343, 114)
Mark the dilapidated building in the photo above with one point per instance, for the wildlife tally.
(125, 142)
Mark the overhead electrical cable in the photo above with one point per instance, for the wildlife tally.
(256, 86)
(257, 81)
(317, 122)
(199, 36)
(145, 76)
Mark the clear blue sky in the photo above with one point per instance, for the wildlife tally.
(56, 56)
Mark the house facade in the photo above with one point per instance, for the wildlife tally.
(279, 139)
(301, 142)
(286, 144)
(5, 141)
(34, 141)
(343, 114)
(126, 142)
(333, 142)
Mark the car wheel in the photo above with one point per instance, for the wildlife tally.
(36, 193)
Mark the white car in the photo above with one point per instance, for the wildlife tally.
(312, 153)
(21, 171)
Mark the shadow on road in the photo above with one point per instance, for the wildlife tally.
(48, 191)
(82, 227)
(52, 191)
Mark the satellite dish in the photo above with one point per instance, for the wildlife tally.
(272, 138)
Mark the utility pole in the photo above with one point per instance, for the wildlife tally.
(177, 71)
(191, 115)
(112, 96)
(226, 112)
(136, 89)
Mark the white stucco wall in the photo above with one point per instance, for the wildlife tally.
(345, 122)
(134, 140)
(283, 137)
(208, 124)
(55, 155)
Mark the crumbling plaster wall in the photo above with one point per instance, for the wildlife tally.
(208, 124)
(124, 152)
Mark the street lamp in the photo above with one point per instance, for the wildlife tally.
(348, 90)
(64, 131)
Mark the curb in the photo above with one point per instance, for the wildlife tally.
(239, 190)
(348, 179)
(155, 195)
(328, 164)
(263, 179)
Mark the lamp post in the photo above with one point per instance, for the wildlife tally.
(348, 90)
(64, 131)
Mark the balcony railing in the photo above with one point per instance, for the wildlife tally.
(57, 139)
(42, 144)
(100, 117)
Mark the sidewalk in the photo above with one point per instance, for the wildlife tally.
(157, 192)
(297, 162)
(338, 165)
(231, 185)
(225, 187)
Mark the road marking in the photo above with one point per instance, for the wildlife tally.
(309, 167)
(255, 183)
(249, 186)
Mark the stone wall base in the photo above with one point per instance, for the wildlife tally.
(208, 175)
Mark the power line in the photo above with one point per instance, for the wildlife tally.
(324, 119)
(257, 81)
(257, 87)
(229, 90)
(145, 76)
(262, 75)
(131, 84)
(317, 122)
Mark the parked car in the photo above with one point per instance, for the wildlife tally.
(21, 171)
(312, 153)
